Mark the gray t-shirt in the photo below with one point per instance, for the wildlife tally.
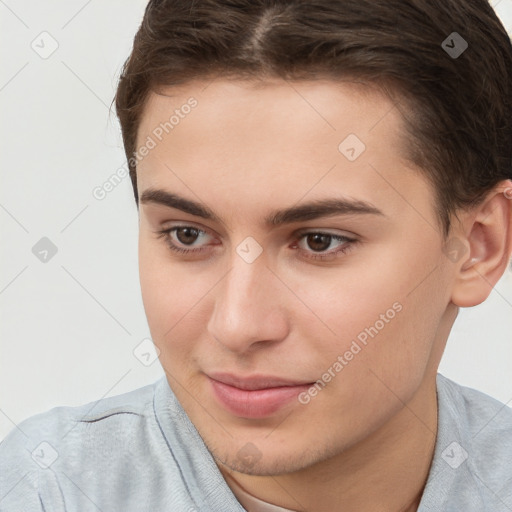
(140, 452)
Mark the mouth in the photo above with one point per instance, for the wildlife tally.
(254, 397)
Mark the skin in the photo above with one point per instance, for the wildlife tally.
(366, 440)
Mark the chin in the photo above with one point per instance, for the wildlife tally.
(270, 461)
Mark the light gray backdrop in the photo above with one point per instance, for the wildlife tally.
(71, 319)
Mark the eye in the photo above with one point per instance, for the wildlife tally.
(314, 245)
(181, 238)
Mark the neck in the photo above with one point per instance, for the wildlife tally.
(386, 471)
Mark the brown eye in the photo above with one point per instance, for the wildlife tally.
(186, 239)
(318, 245)
(318, 241)
(186, 235)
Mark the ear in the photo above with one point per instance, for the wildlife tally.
(484, 247)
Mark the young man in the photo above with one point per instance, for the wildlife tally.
(321, 186)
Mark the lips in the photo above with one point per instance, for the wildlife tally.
(254, 397)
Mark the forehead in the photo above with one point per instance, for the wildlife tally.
(322, 104)
(279, 140)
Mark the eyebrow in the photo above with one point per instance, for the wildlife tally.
(306, 211)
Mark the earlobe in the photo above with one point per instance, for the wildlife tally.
(487, 235)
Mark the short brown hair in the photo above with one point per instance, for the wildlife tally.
(460, 130)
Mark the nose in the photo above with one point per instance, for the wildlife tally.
(249, 309)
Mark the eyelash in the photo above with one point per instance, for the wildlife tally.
(349, 242)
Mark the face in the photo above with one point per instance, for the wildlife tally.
(291, 265)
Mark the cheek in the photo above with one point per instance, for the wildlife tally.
(383, 322)
(169, 292)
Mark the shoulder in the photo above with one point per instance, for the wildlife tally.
(132, 452)
(471, 469)
(60, 422)
(484, 417)
(70, 440)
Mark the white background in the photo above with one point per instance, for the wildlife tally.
(69, 326)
